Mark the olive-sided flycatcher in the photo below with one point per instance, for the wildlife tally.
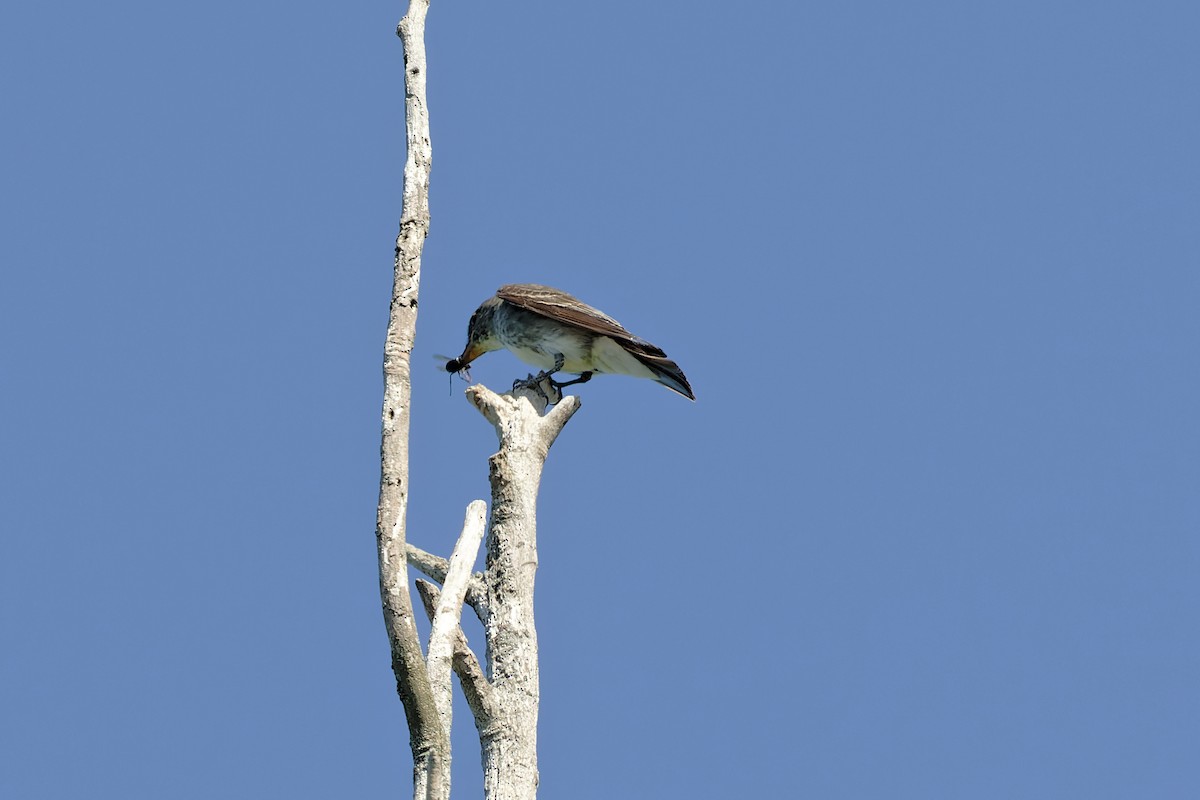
(554, 331)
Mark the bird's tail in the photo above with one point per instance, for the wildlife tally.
(664, 370)
(668, 373)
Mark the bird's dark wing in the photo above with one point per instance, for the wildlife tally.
(562, 307)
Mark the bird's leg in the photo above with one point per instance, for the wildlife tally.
(558, 365)
(534, 381)
(583, 378)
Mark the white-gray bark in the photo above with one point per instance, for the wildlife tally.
(447, 613)
(510, 743)
(504, 700)
(474, 682)
(429, 744)
(436, 567)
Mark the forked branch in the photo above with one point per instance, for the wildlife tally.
(448, 611)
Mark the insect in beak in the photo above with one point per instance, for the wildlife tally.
(454, 367)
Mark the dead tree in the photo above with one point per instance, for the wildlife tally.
(503, 698)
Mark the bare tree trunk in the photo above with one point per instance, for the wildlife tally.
(510, 742)
(430, 744)
(504, 701)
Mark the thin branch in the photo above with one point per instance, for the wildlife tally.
(448, 613)
(475, 685)
(558, 417)
(435, 567)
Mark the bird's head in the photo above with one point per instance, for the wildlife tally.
(481, 338)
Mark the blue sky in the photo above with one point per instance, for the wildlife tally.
(931, 529)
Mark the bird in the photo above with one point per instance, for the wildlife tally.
(556, 332)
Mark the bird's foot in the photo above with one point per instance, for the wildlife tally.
(546, 378)
(534, 382)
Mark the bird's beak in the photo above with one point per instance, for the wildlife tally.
(472, 352)
(463, 362)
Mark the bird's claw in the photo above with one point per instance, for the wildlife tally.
(535, 381)
(531, 381)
